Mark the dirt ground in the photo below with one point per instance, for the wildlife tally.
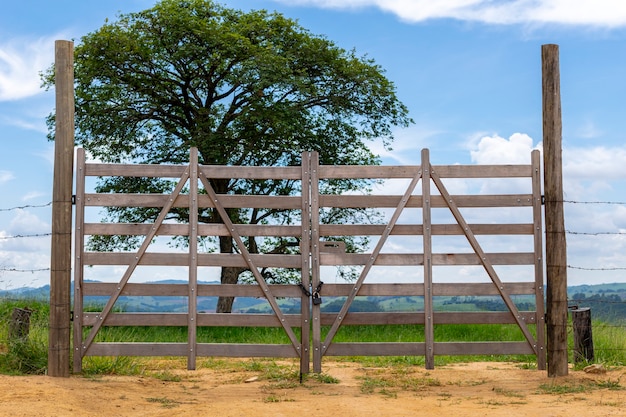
(343, 389)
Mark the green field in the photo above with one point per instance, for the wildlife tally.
(29, 355)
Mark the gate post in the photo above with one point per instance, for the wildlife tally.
(583, 336)
(429, 343)
(556, 255)
(61, 250)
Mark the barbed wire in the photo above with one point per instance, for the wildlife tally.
(27, 206)
(23, 270)
(31, 235)
(617, 268)
(570, 232)
(594, 202)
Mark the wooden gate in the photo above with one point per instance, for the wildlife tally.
(309, 327)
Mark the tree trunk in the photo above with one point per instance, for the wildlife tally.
(229, 275)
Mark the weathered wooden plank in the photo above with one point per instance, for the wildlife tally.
(180, 259)
(192, 304)
(326, 171)
(483, 317)
(418, 229)
(137, 319)
(477, 289)
(407, 259)
(418, 349)
(367, 171)
(390, 201)
(176, 171)
(540, 333)
(314, 213)
(556, 242)
(251, 172)
(293, 320)
(293, 291)
(183, 229)
(79, 244)
(180, 349)
(439, 289)
(61, 240)
(408, 171)
(429, 333)
(307, 159)
(204, 290)
(482, 171)
(325, 230)
(134, 170)
(182, 201)
(180, 319)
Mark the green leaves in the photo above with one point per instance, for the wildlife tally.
(243, 87)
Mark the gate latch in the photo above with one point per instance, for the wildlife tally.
(317, 299)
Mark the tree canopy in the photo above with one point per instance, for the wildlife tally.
(245, 88)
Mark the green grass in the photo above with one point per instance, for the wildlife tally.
(557, 387)
(29, 355)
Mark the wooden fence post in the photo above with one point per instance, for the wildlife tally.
(61, 251)
(19, 328)
(583, 337)
(556, 256)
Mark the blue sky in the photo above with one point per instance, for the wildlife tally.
(468, 70)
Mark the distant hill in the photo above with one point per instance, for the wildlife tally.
(607, 302)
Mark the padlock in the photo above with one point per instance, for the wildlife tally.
(317, 300)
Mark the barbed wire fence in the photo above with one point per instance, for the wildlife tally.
(620, 325)
(24, 236)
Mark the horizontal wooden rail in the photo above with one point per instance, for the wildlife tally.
(270, 320)
(294, 202)
(181, 349)
(139, 229)
(293, 261)
(293, 291)
(408, 171)
(418, 349)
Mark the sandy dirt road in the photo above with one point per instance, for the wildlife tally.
(345, 389)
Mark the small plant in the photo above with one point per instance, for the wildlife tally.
(117, 365)
(324, 378)
(369, 385)
(165, 402)
(566, 388)
(166, 376)
(610, 384)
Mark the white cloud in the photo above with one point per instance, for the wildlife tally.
(599, 163)
(25, 222)
(497, 150)
(6, 176)
(21, 62)
(601, 13)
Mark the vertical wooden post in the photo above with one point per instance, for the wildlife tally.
(556, 256)
(192, 309)
(583, 337)
(61, 251)
(429, 329)
(305, 268)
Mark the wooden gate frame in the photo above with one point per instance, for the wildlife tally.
(315, 253)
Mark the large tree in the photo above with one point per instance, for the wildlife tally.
(245, 88)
